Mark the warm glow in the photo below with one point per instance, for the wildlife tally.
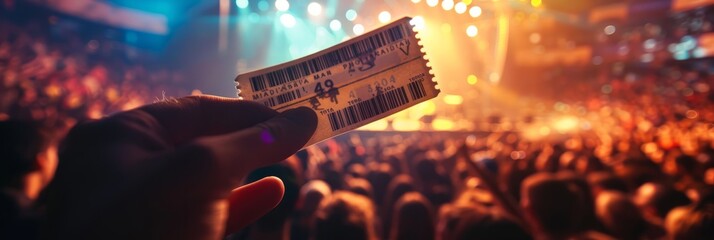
(536, 3)
(441, 124)
(472, 79)
(566, 124)
(460, 8)
(472, 31)
(378, 125)
(447, 5)
(384, 17)
(475, 11)
(432, 3)
(453, 99)
(358, 29)
(418, 23)
(404, 124)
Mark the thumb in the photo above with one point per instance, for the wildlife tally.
(250, 202)
(234, 155)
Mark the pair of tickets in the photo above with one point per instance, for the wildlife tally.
(350, 84)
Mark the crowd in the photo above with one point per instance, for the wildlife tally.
(59, 75)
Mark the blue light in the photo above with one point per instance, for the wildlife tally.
(242, 3)
(254, 17)
(263, 5)
(351, 15)
(335, 25)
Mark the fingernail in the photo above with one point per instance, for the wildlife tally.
(302, 116)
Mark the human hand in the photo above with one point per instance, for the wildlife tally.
(169, 169)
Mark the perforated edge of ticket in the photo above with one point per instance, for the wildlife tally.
(350, 84)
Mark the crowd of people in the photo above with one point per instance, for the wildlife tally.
(59, 75)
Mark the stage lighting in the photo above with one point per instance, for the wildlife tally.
(475, 11)
(242, 3)
(418, 23)
(453, 99)
(442, 124)
(263, 5)
(282, 5)
(432, 3)
(447, 5)
(287, 20)
(351, 14)
(335, 25)
(472, 31)
(536, 3)
(460, 7)
(314, 9)
(609, 29)
(472, 79)
(384, 17)
(358, 29)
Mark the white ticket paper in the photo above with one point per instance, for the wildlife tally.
(350, 84)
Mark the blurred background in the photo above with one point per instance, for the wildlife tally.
(521, 65)
(613, 97)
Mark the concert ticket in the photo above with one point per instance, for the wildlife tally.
(350, 84)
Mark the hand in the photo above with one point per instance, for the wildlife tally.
(168, 170)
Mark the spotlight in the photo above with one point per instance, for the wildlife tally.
(460, 7)
(314, 9)
(358, 29)
(351, 14)
(384, 17)
(282, 5)
(472, 31)
(287, 20)
(242, 3)
(475, 11)
(335, 25)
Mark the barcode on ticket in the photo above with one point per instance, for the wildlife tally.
(367, 109)
(327, 60)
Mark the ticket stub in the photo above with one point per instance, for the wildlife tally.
(350, 84)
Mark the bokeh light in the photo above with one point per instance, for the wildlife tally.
(447, 5)
(351, 14)
(358, 29)
(609, 29)
(472, 79)
(242, 3)
(384, 17)
(314, 9)
(471, 31)
(536, 3)
(287, 20)
(432, 3)
(282, 5)
(335, 25)
(475, 11)
(460, 8)
(418, 23)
